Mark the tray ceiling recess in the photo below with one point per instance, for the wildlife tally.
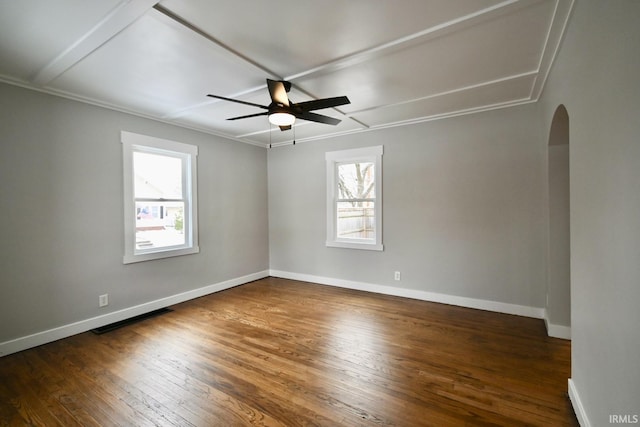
(399, 62)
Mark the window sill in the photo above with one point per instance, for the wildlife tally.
(351, 245)
(130, 259)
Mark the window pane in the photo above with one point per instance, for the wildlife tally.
(159, 224)
(356, 181)
(157, 176)
(356, 220)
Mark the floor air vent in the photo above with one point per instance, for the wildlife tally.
(131, 320)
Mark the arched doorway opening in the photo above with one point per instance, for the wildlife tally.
(558, 304)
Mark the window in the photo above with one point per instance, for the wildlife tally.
(160, 203)
(354, 198)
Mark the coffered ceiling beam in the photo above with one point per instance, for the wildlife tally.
(123, 15)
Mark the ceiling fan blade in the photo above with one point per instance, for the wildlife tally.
(280, 103)
(264, 107)
(319, 118)
(278, 92)
(319, 104)
(248, 116)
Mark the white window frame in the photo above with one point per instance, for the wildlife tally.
(132, 142)
(333, 160)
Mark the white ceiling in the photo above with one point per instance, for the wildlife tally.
(399, 62)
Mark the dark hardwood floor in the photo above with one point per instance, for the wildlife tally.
(278, 352)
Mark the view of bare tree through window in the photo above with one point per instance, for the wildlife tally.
(356, 201)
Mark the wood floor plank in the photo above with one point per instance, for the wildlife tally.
(278, 352)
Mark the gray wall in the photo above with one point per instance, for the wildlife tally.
(559, 275)
(62, 213)
(464, 208)
(596, 78)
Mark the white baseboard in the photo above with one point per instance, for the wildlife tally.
(557, 331)
(500, 307)
(39, 338)
(578, 408)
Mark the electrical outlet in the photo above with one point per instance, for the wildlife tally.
(103, 300)
(396, 276)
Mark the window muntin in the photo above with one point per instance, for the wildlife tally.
(160, 198)
(354, 214)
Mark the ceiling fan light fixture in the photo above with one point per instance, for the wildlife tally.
(282, 119)
(283, 113)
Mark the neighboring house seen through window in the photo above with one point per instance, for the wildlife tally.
(159, 198)
(354, 198)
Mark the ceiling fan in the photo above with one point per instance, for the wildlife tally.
(283, 113)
